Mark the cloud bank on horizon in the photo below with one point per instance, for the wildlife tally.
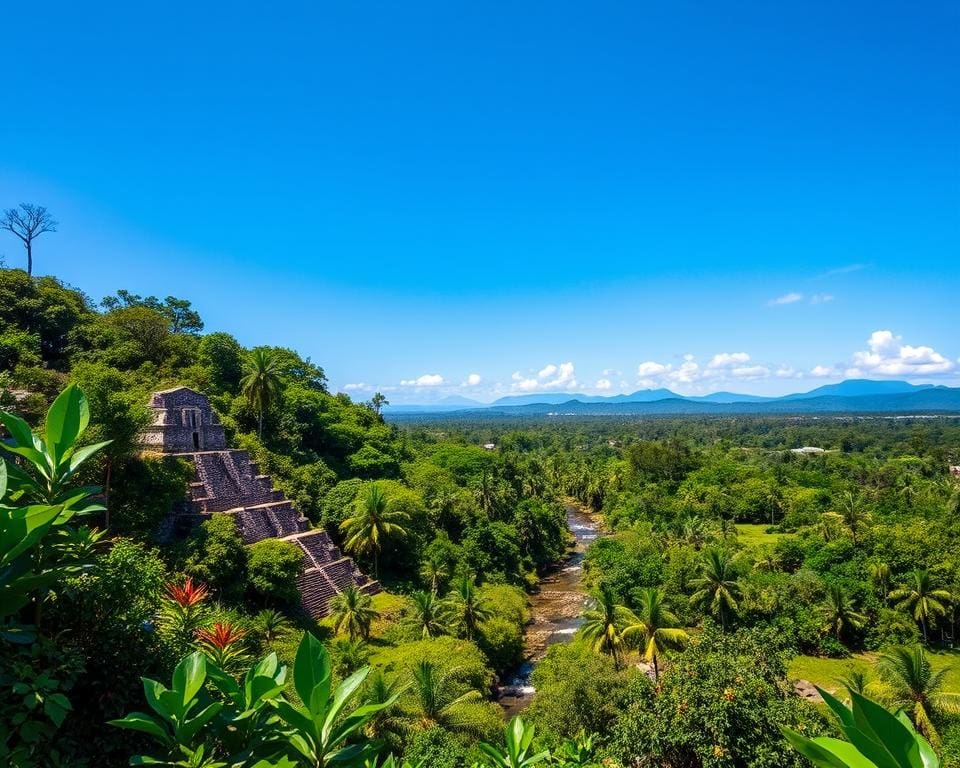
(886, 357)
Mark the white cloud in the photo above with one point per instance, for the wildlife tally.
(887, 356)
(787, 372)
(728, 360)
(821, 298)
(787, 298)
(427, 380)
(651, 369)
(354, 387)
(548, 370)
(549, 377)
(723, 366)
(750, 372)
(472, 380)
(824, 372)
(611, 372)
(603, 384)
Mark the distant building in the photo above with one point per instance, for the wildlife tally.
(955, 471)
(808, 450)
(489, 446)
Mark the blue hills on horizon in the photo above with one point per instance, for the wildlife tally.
(852, 395)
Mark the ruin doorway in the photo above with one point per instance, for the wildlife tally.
(192, 419)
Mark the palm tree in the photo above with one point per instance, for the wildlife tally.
(379, 690)
(915, 687)
(920, 598)
(352, 612)
(261, 382)
(694, 533)
(372, 522)
(658, 627)
(429, 614)
(830, 523)
(378, 401)
(434, 571)
(767, 561)
(726, 529)
(604, 623)
(858, 681)
(853, 514)
(350, 656)
(718, 591)
(838, 612)
(880, 576)
(470, 608)
(437, 699)
(270, 624)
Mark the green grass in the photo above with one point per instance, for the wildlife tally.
(826, 672)
(755, 535)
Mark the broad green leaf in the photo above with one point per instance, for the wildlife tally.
(189, 676)
(297, 718)
(823, 757)
(19, 429)
(355, 720)
(35, 457)
(345, 690)
(842, 711)
(82, 454)
(311, 669)
(3, 478)
(66, 420)
(189, 729)
(153, 692)
(879, 734)
(349, 755)
(138, 721)
(223, 681)
(24, 528)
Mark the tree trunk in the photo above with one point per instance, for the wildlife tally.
(260, 425)
(29, 248)
(923, 625)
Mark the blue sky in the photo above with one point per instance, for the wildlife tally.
(484, 199)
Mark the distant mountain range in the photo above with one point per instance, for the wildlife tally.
(851, 396)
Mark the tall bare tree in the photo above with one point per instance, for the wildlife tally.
(28, 222)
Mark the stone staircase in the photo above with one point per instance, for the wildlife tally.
(228, 482)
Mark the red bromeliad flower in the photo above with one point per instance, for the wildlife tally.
(222, 636)
(188, 595)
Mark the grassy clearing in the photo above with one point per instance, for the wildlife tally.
(755, 535)
(826, 672)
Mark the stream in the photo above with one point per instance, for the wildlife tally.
(555, 611)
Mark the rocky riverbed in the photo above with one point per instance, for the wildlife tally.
(555, 610)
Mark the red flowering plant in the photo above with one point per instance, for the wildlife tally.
(183, 612)
(223, 644)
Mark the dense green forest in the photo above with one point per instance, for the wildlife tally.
(734, 574)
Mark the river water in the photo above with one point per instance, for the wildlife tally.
(555, 610)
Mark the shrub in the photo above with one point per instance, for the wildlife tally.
(721, 703)
(436, 747)
(150, 487)
(447, 653)
(272, 570)
(577, 689)
(502, 643)
(215, 555)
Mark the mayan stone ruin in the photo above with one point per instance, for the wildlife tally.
(227, 481)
